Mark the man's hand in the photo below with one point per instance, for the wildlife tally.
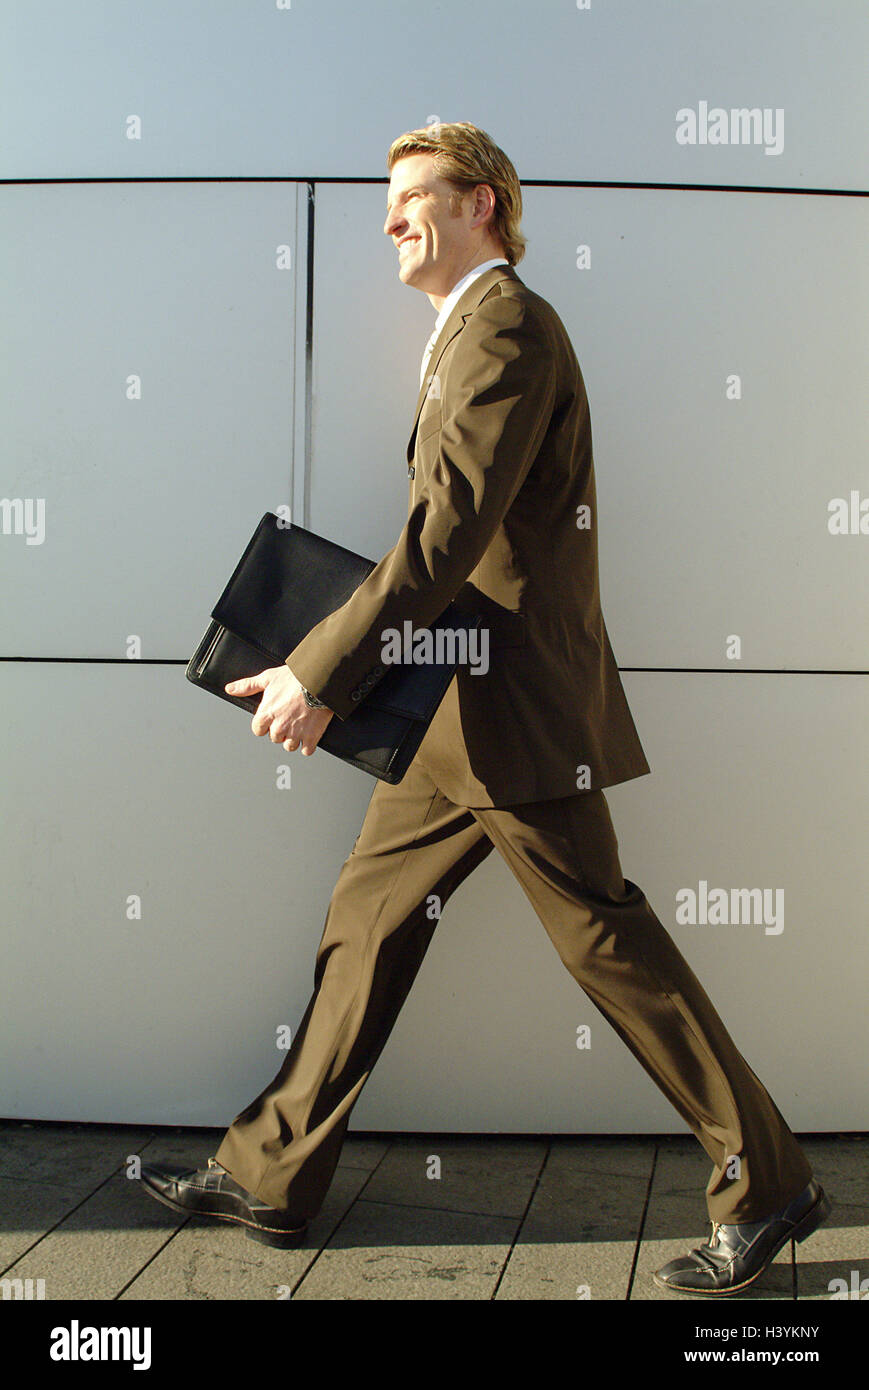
(282, 712)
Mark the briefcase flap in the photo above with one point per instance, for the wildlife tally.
(289, 579)
(285, 583)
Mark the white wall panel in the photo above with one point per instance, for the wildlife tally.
(714, 513)
(148, 502)
(148, 788)
(223, 87)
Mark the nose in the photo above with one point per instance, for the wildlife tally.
(394, 224)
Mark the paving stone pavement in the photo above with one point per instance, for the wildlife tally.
(421, 1217)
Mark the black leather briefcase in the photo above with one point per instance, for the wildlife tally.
(287, 581)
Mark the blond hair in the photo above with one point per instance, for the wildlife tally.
(466, 156)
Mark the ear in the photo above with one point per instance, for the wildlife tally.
(484, 202)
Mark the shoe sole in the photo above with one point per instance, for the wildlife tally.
(282, 1240)
(800, 1232)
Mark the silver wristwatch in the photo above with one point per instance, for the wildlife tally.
(311, 700)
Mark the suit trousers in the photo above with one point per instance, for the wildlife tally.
(414, 842)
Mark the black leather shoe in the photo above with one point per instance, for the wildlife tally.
(736, 1255)
(213, 1192)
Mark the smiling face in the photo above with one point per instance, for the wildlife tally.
(437, 244)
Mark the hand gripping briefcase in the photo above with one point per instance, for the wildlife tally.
(287, 581)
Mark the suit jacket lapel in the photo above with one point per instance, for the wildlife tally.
(461, 310)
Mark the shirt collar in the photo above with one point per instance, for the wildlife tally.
(459, 289)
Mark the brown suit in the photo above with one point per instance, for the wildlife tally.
(501, 460)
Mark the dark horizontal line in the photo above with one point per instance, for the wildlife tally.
(671, 670)
(751, 670)
(398, 1136)
(525, 183)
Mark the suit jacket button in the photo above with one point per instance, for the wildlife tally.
(355, 694)
(411, 471)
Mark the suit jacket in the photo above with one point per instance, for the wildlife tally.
(500, 457)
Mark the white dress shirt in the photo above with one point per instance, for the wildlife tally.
(455, 293)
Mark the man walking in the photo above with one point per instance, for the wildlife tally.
(501, 518)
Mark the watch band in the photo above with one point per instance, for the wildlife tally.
(311, 700)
